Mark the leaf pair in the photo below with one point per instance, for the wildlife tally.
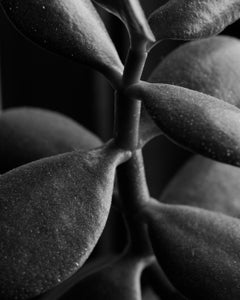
(52, 213)
(198, 249)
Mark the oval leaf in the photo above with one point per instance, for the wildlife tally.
(52, 212)
(195, 247)
(131, 13)
(71, 28)
(193, 19)
(210, 66)
(206, 184)
(196, 121)
(28, 134)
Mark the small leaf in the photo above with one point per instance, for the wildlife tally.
(196, 121)
(28, 134)
(71, 28)
(206, 184)
(131, 13)
(52, 213)
(198, 250)
(210, 66)
(193, 19)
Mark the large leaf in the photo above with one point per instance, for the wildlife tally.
(71, 28)
(193, 19)
(131, 13)
(52, 212)
(206, 184)
(28, 134)
(196, 121)
(210, 66)
(198, 250)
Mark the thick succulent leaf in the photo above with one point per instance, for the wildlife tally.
(119, 281)
(207, 184)
(198, 250)
(201, 123)
(193, 19)
(210, 66)
(52, 212)
(28, 134)
(71, 28)
(131, 13)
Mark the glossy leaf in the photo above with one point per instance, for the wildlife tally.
(28, 134)
(131, 13)
(193, 19)
(210, 66)
(71, 28)
(196, 121)
(52, 212)
(119, 280)
(198, 250)
(206, 184)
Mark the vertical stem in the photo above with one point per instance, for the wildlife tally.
(131, 175)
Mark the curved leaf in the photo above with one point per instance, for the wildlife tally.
(193, 19)
(71, 28)
(131, 13)
(28, 134)
(52, 212)
(199, 122)
(206, 184)
(210, 66)
(198, 249)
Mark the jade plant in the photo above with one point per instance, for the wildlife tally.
(58, 179)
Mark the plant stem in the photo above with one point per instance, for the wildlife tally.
(132, 184)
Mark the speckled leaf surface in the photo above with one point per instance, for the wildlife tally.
(193, 19)
(207, 184)
(201, 123)
(131, 13)
(198, 250)
(52, 212)
(28, 134)
(210, 66)
(71, 28)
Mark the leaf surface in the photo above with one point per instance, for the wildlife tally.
(71, 28)
(28, 134)
(198, 250)
(210, 66)
(198, 122)
(131, 13)
(207, 184)
(52, 213)
(193, 19)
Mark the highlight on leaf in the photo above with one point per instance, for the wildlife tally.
(71, 28)
(52, 214)
(132, 14)
(28, 134)
(207, 184)
(193, 19)
(196, 121)
(210, 66)
(195, 246)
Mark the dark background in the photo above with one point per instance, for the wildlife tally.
(31, 76)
